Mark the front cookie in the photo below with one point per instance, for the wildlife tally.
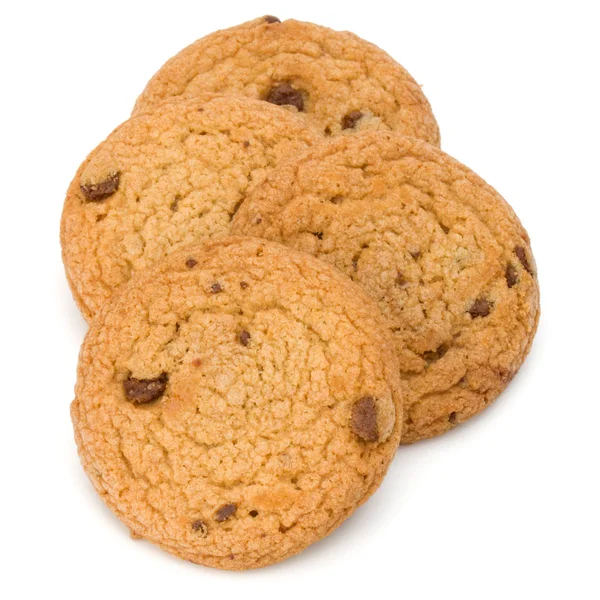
(337, 82)
(440, 251)
(236, 402)
(164, 180)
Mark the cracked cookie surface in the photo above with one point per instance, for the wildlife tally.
(441, 252)
(236, 402)
(334, 80)
(164, 180)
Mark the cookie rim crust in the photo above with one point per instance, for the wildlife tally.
(79, 238)
(107, 476)
(282, 187)
(176, 75)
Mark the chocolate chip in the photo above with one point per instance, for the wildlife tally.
(480, 308)
(327, 131)
(201, 527)
(244, 338)
(236, 208)
(96, 192)
(244, 285)
(175, 204)
(246, 144)
(452, 418)
(226, 511)
(522, 256)
(272, 19)
(433, 355)
(318, 234)
(216, 288)
(415, 254)
(141, 391)
(444, 228)
(253, 513)
(197, 362)
(364, 419)
(190, 263)
(283, 94)
(351, 119)
(511, 276)
(337, 200)
(400, 280)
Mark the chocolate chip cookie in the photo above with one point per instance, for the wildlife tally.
(236, 402)
(442, 253)
(163, 180)
(336, 81)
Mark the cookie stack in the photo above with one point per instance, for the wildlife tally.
(285, 278)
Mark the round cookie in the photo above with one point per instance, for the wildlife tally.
(163, 180)
(236, 402)
(442, 253)
(338, 82)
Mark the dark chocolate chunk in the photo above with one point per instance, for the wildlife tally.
(480, 308)
(201, 527)
(452, 418)
(141, 391)
(400, 280)
(283, 94)
(350, 120)
(364, 419)
(511, 276)
(522, 256)
(226, 511)
(244, 337)
(96, 192)
(433, 355)
(190, 263)
(272, 19)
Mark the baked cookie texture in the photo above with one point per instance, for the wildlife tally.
(236, 402)
(336, 81)
(163, 180)
(441, 252)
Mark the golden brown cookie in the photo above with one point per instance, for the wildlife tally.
(336, 81)
(163, 180)
(236, 402)
(442, 253)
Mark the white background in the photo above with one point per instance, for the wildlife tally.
(506, 506)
